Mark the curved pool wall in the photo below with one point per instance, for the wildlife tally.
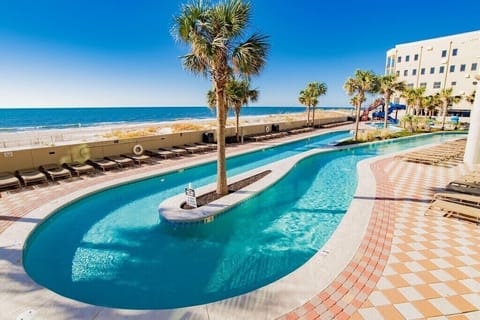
(116, 254)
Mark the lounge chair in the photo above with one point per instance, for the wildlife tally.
(54, 172)
(121, 161)
(165, 154)
(177, 151)
(9, 181)
(31, 176)
(138, 159)
(79, 168)
(455, 209)
(199, 147)
(464, 187)
(103, 164)
(189, 149)
(211, 146)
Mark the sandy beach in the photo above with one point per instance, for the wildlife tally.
(56, 137)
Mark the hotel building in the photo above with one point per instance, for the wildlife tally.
(439, 63)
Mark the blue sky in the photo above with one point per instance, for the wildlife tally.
(121, 52)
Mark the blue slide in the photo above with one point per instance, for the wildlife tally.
(392, 107)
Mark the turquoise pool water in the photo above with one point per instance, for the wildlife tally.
(111, 249)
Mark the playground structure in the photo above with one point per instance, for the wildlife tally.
(375, 104)
(379, 104)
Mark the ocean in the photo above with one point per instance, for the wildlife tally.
(21, 119)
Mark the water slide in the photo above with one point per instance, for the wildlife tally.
(392, 107)
(375, 104)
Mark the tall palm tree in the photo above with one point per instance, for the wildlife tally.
(362, 83)
(388, 85)
(447, 99)
(214, 34)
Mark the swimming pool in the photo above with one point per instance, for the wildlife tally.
(110, 249)
(381, 125)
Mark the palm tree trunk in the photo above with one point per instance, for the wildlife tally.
(313, 117)
(385, 108)
(444, 116)
(237, 124)
(308, 116)
(357, 118)
(222, 187)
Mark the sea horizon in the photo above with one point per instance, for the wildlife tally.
(44, 118)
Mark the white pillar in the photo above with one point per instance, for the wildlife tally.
(472, 149)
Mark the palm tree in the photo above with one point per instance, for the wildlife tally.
(409, 95)
(237, 94)
(388, 85)
(471, 98)
(214, 34)
(417, 95)
(305, 99)
(240, 94)
(447, 99)
(309, 98)
(362, 83)
(318, 89)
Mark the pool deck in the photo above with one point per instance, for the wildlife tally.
(385, 261)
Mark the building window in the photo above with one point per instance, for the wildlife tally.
(415, 57)
(462, 67)
(399, 59)
(423, 84)
(410, 85)
(444, 53)
(432, 70)
(441, 70)
(474, 66)
(454, 52)
(414, 72)
(407, 58)
(436, 85)
(398, 73)
(454, 83)
(452, 68)
(405, 73)
(474, 83)
(422, 71)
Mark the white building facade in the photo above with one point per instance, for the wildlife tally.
(439, 63)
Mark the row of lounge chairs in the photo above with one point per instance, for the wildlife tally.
(56, 172)
(267, 136)
(463, 202)
(446, 153)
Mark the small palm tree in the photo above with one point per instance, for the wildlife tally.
(409, 95)
(447, 99)
(309, 97)
(240, 95)
(318, 89)
(237, 95)
(214, 34)
(388, 85)
(362, 83)
(471, 97)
